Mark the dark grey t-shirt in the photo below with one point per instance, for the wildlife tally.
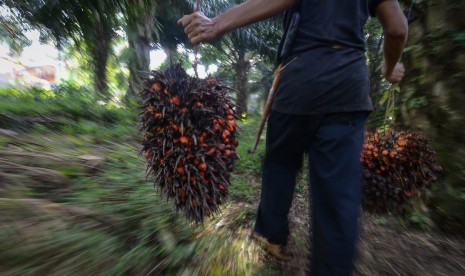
(324, 79)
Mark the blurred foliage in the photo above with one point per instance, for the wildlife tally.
(12, 30)
(110, 223)
(72, 217)
(70, 108)
(379, 88)
(80, 71)
(432, 100)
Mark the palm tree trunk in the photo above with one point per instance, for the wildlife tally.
(141, 63)
(241, 67)
(99, 47)
(139, 32)
(172, 54)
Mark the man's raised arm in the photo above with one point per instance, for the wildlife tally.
(200, 28)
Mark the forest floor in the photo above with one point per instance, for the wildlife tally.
(81, 205)
(387, 247)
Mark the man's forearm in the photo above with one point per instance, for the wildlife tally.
(393, 48)
(395, 29)
(249, 12)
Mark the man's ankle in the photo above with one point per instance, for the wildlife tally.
(278, 251)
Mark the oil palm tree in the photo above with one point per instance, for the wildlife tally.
(91, 24)
(150, 24)
(12, 31)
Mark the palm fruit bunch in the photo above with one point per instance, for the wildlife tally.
(397, 167)
(190, 140)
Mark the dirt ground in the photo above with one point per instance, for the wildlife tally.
(386, 248)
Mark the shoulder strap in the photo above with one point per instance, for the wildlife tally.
(290, 24)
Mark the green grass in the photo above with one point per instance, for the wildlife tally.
(244, 187)
(110, 220)
(250, 163)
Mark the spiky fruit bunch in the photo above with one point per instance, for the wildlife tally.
(190, 140)
(397, 166)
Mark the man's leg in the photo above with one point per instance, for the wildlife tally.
(336, 191)
(285, 144)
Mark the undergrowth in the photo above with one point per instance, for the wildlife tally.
(64, 217)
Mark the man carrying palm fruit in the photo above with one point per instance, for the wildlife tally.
(320, 108)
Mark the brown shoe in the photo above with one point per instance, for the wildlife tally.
(281, 252)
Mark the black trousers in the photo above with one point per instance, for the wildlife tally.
(333, 143)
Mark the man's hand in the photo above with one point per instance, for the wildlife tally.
(396, 75)
(198, 27)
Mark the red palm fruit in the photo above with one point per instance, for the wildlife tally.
(175, 100)
(184, 140)
(211, 151)
(232, 124)
(202, 166)
(174, 127)
(156, 86)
